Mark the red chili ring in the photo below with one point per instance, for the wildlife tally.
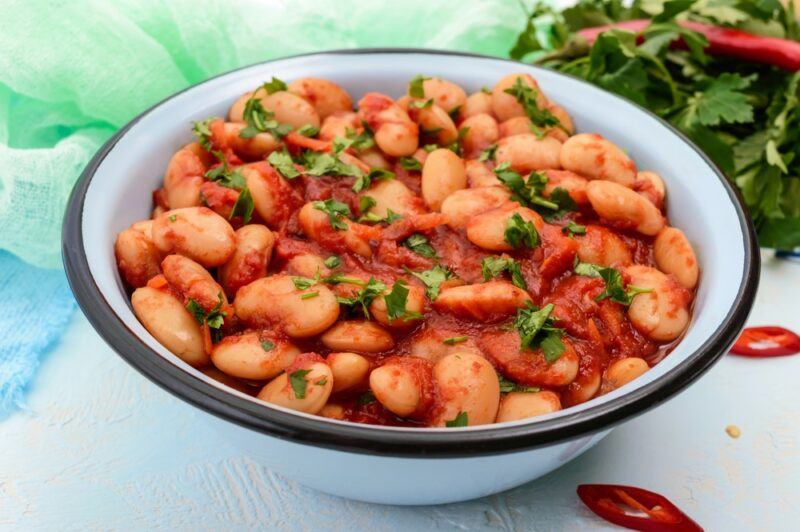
(766, 341)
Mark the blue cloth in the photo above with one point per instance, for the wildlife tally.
(35, 308)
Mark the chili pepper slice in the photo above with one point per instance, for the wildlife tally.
(767, 341)
(728, 42)
(635, 508)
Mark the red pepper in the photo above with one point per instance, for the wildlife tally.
(728, 42)
(635, 508)
(769, 341)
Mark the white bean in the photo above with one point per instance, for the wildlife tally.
(195, 232)
(442, 174)
(674, 255)
(594, 157)
(253, 355)
(620, 205)
(358, 337)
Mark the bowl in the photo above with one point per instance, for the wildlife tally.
(410, 465)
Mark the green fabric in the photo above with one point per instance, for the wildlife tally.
(72, 72)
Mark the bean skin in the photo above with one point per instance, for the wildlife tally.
(442, 174)
(527, 153)
(620, 205)
(317, 389)
(662, 314)
(249, 262)
(467, 383)
(523, 405)
(195, 232)
(485, 302)
(594, 157)
(674, 255)
(253, 355)
(326, 96)
(357, 337)
(137, 257)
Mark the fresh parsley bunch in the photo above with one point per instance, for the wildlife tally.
(744, 115)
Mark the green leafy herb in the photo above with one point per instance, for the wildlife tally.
(372, 289)
(320, 163)
(298, 381)
(430, 147)
(336, 211)
(526, 96)
(390, 217)
(537, 329)
(396, 303)
(266, 345)
(303, 283)
(488, 153)
(420, 245)
(365, 203)
(614, 288)
(520, 233)
(453, 340)
(416, 88)
(743, 114)
(224, 176)
(275, 85)
(455, 146)
(214, 317)
(308, 130)
(283, 163)
(529, 192)
(173, 218)
(202, 131)
(493, 266)
(587, 270)
(309, 295)
(332, 262)
(366, 398)
(433, 279)
(507, 386)
(338, 278)
(360, 141)
(244, 206)
(420, 104)
(259, 120)
(461, 420)
(573, 229)
(365, 180)
(409, 163)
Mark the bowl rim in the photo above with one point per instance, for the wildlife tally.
(410, 443)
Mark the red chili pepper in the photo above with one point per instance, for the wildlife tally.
(635, 508)
(769, 341)
(728, 42)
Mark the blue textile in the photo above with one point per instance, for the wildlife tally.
(35, 307)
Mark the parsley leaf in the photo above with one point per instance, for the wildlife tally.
(419, 244)
(214, 317)
(283, 163)
(244, 206)
(298, 381)
(529, 193)
(360, 141)
(224, 176)
(614, 289)
(433, 279)
(492, 266)
(488, 153)
(365, 180)
(507, 386)
(396, 303)
(319, 164)
(372, 289)
(203, 133)
(333, 262)
(366, 398)
(274, 85)
(573, 229)
(721, 102)
(461, 420)
(521, 233)
(416, 87)
(453, 340)
(308, 130)
(309, 295)
(259, 120)
(303, 283)
(537, 330)
(409, 163)
(526, 96)
(266, 345)
(336, 210)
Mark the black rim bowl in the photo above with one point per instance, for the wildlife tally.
(398, 442)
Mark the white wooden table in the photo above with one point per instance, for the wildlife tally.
(100, 447)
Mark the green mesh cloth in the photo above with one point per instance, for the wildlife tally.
(71, 72)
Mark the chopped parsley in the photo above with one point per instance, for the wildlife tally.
(173, 218)
(420, 245)
(366, 398)
(360, 141)
(461, 420)
(298, 381)
(336, 210)
(275, 85)
(527, 193)
(453, 340)
(365, 180)
(372, 289)
(244, 206)
(332, 262)
(491, 267)
(573, 229)
(390, 217)
(433, 279)
(416, 88)
(308, 130)
(507, 386)
(202, 131)
(537, 330)
(283, 163)
(420, 104)
(409, 163)
(365, 203)
(319, 164)
(614, 289)
(304, 283)
(309, 295)
(266, 345)
(224, 176)
(488, 153)
(455, 146)
(259, 120)
(396, 303)
(214, 318)
(526, 96)
(521, 233)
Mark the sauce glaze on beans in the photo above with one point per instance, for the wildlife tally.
(385, 265)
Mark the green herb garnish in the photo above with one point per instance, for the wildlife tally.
(336, 211)
(520, 233)
(492, 266)
(433, 279)
(420, 245)
(461, 420)
(453, 340)
(298, 381)
(283, 163)
(537, 330)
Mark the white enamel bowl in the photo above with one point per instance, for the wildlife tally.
(402, 465)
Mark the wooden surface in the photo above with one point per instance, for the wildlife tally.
(100, 447)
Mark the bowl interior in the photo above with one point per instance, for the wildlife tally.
(697, 201)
